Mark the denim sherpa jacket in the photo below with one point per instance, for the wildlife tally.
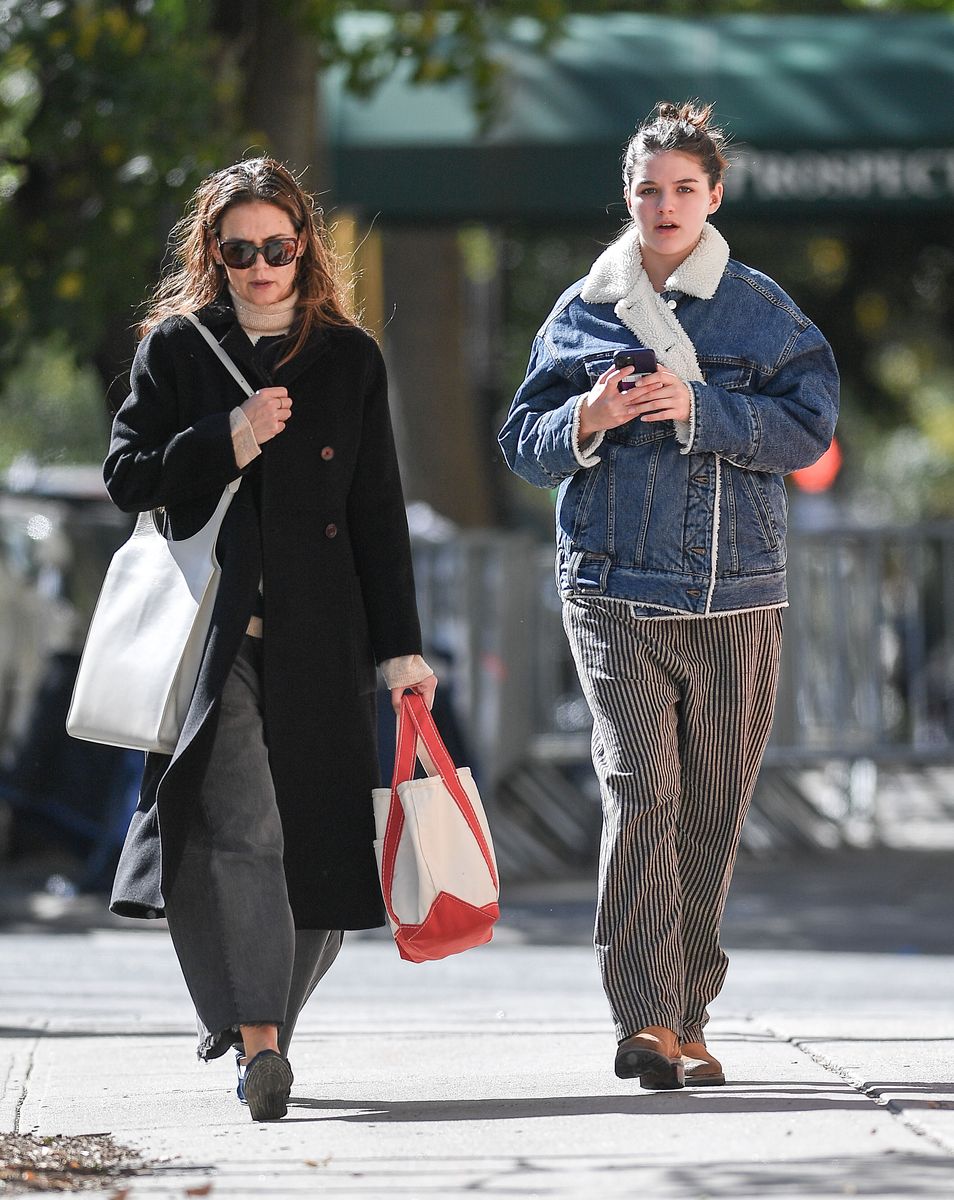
(686, 521)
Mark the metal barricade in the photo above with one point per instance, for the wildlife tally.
(863, 744)
(869, 646)
(865, 708)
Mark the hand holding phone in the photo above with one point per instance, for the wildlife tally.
(658, 394)
(642, 361)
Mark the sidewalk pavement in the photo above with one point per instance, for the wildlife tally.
(491, 1073)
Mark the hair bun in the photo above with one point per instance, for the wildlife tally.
(691, 112)
(681, 127)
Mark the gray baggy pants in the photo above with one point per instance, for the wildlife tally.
(243, 961)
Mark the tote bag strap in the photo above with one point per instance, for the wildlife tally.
(225, 358)
(145, 523)
(416, 728)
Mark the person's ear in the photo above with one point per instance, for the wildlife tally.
(715, 198)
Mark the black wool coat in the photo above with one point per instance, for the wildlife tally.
(320, 518)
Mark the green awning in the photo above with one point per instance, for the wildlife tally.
(843, 112)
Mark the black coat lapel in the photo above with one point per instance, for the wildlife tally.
(315, 347)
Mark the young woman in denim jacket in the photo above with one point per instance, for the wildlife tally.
(671, 517)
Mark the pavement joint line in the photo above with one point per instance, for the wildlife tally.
(898, 1111)
(25, 1086)
(874, 1094)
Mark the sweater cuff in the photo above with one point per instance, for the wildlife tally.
(587, 457)
(404, 671)
(243, 439)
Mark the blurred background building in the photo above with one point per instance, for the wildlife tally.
(467, 157)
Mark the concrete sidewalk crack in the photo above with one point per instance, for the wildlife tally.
(25, 1085)
(874, 1094)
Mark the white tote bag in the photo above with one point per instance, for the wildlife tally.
(147, 635)
(145, 642)
(433, 847)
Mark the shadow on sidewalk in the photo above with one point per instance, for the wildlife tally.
(887, 1175)
(739, 1096)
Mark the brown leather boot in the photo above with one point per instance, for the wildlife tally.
(702, 1070)
(653, 1055)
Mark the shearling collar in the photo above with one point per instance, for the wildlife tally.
(616, 273)
(617, 277)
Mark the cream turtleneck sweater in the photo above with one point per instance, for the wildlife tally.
(265, 320)
(270, 320)
(258, 320)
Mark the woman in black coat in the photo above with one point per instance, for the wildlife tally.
(254, 838)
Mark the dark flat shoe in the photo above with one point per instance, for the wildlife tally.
(265, 1085)
(240, 1073)
(653, 1057)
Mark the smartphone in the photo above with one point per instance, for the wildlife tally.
(644, 362)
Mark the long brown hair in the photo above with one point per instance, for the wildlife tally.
(196, 279)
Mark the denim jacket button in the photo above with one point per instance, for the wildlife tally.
(671, 303)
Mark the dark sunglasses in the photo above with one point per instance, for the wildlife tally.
(240, 255)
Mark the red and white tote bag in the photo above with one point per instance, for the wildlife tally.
(433, 847)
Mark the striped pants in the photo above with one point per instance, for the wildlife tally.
(682, 711)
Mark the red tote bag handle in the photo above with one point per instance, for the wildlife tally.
(416, 727)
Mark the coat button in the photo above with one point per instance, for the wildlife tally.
(331, 531)
(671, 303)
(327, 453)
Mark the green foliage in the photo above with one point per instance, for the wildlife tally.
(112, 110)
(440, 40)
(110, 113)
(711, 8)
(51, 408)
(435, 40)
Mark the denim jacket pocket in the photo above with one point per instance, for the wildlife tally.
(581, 507)
(642, 471)
(733, 374)
(594, 365)
(753, 522)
